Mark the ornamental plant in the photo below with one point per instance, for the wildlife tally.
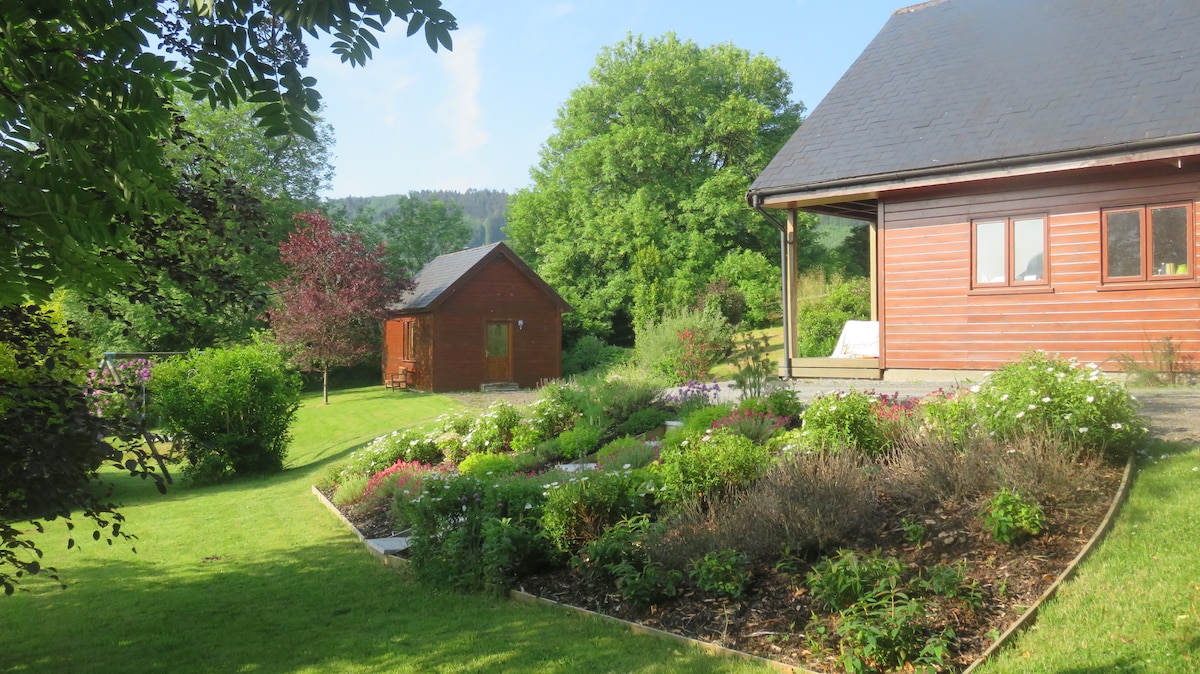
(1011, 518)
(492, 431)
(109, 396)
(724, 572)
(547, 417)
(703, 466)
(845, 419)
(758, 427)
(1077, 403)
(579, 509)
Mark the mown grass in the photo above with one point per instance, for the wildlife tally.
(256, 576)
(726, 369)
(1134, 605)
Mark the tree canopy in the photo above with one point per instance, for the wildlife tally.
(641, 186)
(85, 108)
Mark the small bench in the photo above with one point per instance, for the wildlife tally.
(397, 380)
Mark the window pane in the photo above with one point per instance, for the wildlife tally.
(989, 252)
(1169, 240)
(497, 340)
(1029, 249)
(1124, 242)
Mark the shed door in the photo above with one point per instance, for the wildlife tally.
(498, 357)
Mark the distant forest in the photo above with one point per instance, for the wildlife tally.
(484, 210)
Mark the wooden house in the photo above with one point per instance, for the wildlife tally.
(1030, 172)
(474, 317)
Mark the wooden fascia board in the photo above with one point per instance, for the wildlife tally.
(867, 189)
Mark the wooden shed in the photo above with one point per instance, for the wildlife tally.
(1029, 170)
(475, 317)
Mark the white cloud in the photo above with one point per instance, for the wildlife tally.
(465, 114)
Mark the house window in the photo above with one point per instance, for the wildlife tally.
(1147, 243)
(410, 340)
(1009, 251)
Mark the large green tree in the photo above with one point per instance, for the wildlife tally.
(640, 189)
(85, 109)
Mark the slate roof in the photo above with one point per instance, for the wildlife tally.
(441, 274)
(950, 84)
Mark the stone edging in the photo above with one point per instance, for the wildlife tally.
(1025, 620)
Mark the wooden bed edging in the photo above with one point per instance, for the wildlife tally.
(1024, 621)
(1030, 614)
(386, 560)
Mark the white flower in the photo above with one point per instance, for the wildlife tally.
(626, 466)
(975, 388)
(1020, 414)
(1091, 399)
(528, 506)
(1004, 397)
(1093, 366)
(1046, 399)
(1083, 429)
(1117, 426)
(1067, 416)
(1032, 406)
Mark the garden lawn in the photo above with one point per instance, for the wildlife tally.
(725, 370)
(1134, 605)
(256, 576)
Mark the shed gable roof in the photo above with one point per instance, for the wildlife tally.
(437, 279)
(952, 84)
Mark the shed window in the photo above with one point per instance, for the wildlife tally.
(1009, 251)
(1147, 243)
(410, 340)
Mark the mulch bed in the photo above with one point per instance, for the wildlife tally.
(771, 619)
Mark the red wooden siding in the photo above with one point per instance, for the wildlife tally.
(498, 291)
(933, 320)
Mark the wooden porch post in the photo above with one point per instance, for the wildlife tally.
(788, 257)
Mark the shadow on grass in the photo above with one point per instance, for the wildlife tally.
(319, 608)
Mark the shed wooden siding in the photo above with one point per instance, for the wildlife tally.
(932, 319)
(394, 348)
(497, 291)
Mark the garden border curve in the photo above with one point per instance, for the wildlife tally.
(1020, 623)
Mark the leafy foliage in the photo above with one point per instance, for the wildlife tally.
(581, 508)
(820, 321)
(51, 443)
(682, 346)
(702, 467)
(417, 230)
(845, 419)
(639, 191)
(86, 108)
(230, 409)
(330, 303)
(725, 572)
(1010, 518)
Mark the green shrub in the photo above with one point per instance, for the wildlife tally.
(690, 397)
(845, 419)
(821, 321)
(551, 414)
(623, 542)
(754, 367)
(840, 581)
(492, 431)
(785, 402)
(481, 465)
(703, 466)
(590, 353)
(407, 445)
(644, 420)
(758, 427)
(725, 572)
(579, 509)
(403, 476)
(625, 453)
(1054, 395)
(619, 399)
(644, 586)
(951, 417)
(230, 409)
(756, 278)
(579, 441)
(702, 419)
(351, 490)
(887, 630)
(1011, 518)
(683, 346)
(459, 537)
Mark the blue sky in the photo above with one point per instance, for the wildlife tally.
(477, 116)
